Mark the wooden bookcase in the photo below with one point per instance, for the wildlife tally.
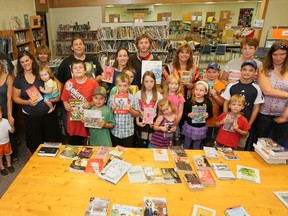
(25, 39)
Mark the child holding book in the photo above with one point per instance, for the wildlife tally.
(195, 128)
(5, 145)
(232, 124)
(50, 89)
(101, 136)
(80, 87)
(216, 87)
(164, 126)
(173, 92)
(123, 132)
(148, 98)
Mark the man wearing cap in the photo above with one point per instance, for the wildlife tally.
(252, 93)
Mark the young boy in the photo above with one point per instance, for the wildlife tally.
(252, 93)
(101, 136)
(216, 87)
(5, 145)
(232, 124)
(123, 132)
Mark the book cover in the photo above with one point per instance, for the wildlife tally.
(210, 152)
(153, 175)
(177, 151)
(125, 210)
(170, 176)
(236, 211)
(121, 101)
(52, 144)
(102, 152)
(228, 153)
(78, 164)
(97, 207)
(169, 134)
(199, 112)
(34, 94)
(186, 76)
(160, 154)
(94, 165)
(155, 206)
(136, 175)
(148, 115)
(93, 118)
(206, 177)
(202, 210)
(282, 196)
(118, 151)
(248, 173)
(222, 171)
(228, 126)
(268, 143)
(193, 182)
(155, 67)
(133, 89)
(86, 152)
(201, 162)
(114, 171)
(108, 73)
(26, 20)
(77, 110)
(48, 151)
(182, 164)
(70, 151)
(14, 22)
(268, 157)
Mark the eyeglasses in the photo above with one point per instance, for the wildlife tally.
(274, 47)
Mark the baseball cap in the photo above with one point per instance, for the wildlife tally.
(100, 91)
(250, 62)
(214, 65)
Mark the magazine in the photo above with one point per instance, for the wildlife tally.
(248, 173)
(121, 101)
(77, 110)
(34, 94)
(155, 67)
(199, 112)
(97, 207)
(93, 118)
(108, 73)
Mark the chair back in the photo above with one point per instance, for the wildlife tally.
(207, 49)
(220, 50)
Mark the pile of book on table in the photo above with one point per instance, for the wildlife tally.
(271, 152)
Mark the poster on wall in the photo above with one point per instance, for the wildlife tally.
(245, 17)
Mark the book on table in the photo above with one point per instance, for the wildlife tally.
(94, 165)
(236, 211)
(34, 94)
(199, 112)
(268, 157)
(206, 177)
(136, 174)
(193, 182)
(155, 206)
(182, 164)
(70, 151)
(177, 151)
(153, 175)
(273, 148)
(201, 162)
(118, 209)
(202, 210)
(102, 152)
(121, 101)
(76, 110)
(222, 171)
(210, 152)
(248, 173)
(118, 151)
(97, 207)
(78, 164)
(170, 176)
(160, 154)
(282, 196)
(93, 118)
(228, 153)
(86, 152)
(155, 67)
(52, 144)
(48, 151)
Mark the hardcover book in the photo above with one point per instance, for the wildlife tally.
(121, 101)
(125, 210)
(114, 171)
(206, 177)
(48, 151)
(78, 164)
(102, 152)
(77, 110)
(155, 205)
(201, 162)
(228, 153)
(86, 152)
(155, 67)
(210, 152)
(248, 173)
(118, 151)
(94, 165)
(193, 182)
(153, 175)
(170, 176)
(93, 118)
(97, 207)
(108, 73)
(236, 211)
(202, 210)
(199, 112)
(222, 171)
(136, 174)
(34, 94)
(186, 76)
(148, 115)
(160, 154)
(70, 151)
(282, 196)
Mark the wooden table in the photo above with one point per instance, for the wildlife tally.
(46, 187)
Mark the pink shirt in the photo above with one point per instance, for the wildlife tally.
(176, 101)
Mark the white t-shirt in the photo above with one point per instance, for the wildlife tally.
(4, 131)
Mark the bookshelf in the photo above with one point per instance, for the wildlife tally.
(211, 30)
(24, 39)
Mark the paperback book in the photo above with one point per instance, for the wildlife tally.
(228, 126)
(202, 210)
(155, 67)
(136, 175)
(155, 205)
(236, 211)
(170, 176)
(108, 73)
(102, 152)
(282, 196)
(169, 134)
(48, 151)
(52, 144)
(118, 151)
(125, 210)
(193, 182)
(201, 162)
(199, 112)
(210, 152)
(121, 101)
(86, 152)
(78, 164)
(222, 171)
(133, 89)
(94, 165)
(34, 94)
(153, 175)
(248, 173)
(77, 111)
(186, 76)
(70, 151)
(268, 157)
(97, 207)
(148, 115)
(272, 147)
(160, 154)
(228, 153)
(177, 151)
(114, 171)
(206, 177)
(93, 118)
(182, 164)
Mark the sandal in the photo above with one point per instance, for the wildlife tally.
(4, 172)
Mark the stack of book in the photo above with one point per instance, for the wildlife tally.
(271, 152)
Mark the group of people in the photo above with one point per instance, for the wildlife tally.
(234, 109)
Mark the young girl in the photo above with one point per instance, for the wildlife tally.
(192, 130)
(164, 125)
(173, 93)
(50, 89)
(80, 87)
(148, 97)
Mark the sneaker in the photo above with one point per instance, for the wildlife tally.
(11, 169)
(4, 172)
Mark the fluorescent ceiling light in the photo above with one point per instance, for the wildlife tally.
(109, 6)
(157, 4)
(209, 2)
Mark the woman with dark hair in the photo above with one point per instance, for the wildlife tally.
(273, 81)
(40, 125)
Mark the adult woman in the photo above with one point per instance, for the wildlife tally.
(231, 71)
(39, 124)
(273, 81)
(43, 55)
